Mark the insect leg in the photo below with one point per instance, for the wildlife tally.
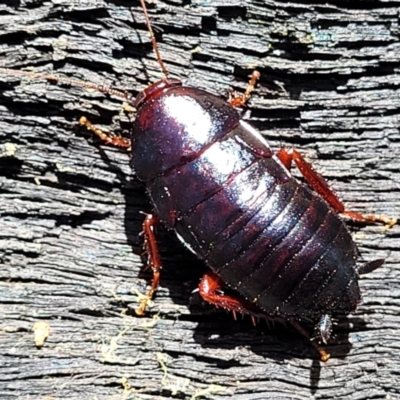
(117, 141)
(210, 289)
(153, 259)
(239, 100)
(322, 353)
(319, 184)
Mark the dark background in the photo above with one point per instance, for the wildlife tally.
(70, 223)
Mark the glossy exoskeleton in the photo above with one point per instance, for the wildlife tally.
(215, 181)
(277, 244)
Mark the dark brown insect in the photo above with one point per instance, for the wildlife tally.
(278, 244)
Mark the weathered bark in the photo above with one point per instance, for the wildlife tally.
(70, 222)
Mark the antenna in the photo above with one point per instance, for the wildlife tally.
(100, 88)
(67, 81)
(153, 40)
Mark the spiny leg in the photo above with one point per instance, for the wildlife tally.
(320, 185)
(211, 290)
(117, 141)
(324, 356)
(150, 244)
(153, 259)
(239, 100)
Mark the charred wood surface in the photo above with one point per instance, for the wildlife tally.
(70, 222)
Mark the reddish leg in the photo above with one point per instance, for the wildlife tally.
(117, 141)
(210, 289)
(319, 184)
(150, 244)
(239, 100)
(153, 259)
(322, 353)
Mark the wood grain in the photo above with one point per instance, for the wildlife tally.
(69, 211)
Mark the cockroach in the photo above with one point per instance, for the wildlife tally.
(278, 244)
